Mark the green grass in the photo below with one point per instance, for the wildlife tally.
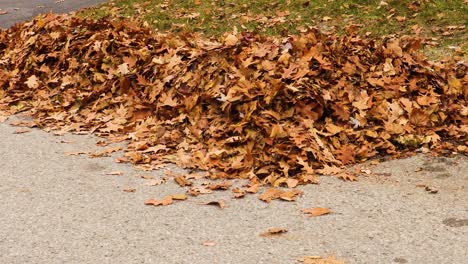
(442, 23)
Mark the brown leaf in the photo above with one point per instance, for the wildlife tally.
(22, 123)
(220, 186)
(195, 191)
(274, 231)
(165, 201)
(129, 190)
(21, 131)
(114, 173)
(320, 260)
(104, 152)
(221, 204)
(155, 182)
(272, 194)
(238, 193)
(419, 117)
(253, 189)
(231, 40)
(182, 181)
(179, 197)
(317, 211)
(347, 176)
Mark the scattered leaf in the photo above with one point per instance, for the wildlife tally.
(182, 181)
(274, 231)
(221, 204)
(114, 173)
(165, 201)
(21, 131)
(317, 211)
(320, 260)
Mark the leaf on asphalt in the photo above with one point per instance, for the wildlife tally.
(195, 191)
(105, 152)
(253, 188)
(179, 197)
(221, 204)
(165, 201)
(182, 181)
(23, 123)
(114, 173)
(316, 211)
(22, 131)
(130, 190)
(155, 182)
(238, 193)
(320, 260)
(286, 195)
(347, 176)
(274, 231)
(220, 186)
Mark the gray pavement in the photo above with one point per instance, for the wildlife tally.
(21, 10)
(64, 209)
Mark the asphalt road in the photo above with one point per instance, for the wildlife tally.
(65, 209)
(21, 10)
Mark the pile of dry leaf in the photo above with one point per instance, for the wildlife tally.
(244, 106)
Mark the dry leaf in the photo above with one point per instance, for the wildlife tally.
(221, 204)
(231, 40)
(104, 152)
(195, 191)
(155, 182)
(347, 176)
(114, 173)
(165, 201)
(274, 231)
(179, 197)
(21, 131)
(220, 186)
(182, 181)
(320, 260)
(317, 211)
(272, 194)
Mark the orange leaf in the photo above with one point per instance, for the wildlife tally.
(317, 211)
(274, 231)
(165, 201)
